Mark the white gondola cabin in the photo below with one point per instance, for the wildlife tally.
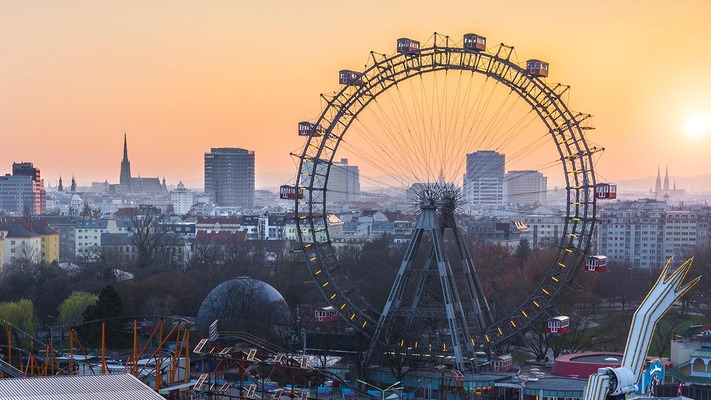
(559, 324)
(606, 191)
(287, 192)
(326, 314)
(537, 68)
(348, 77)
(408, 46)
(474, 42)
(502, 363)
(596, 264)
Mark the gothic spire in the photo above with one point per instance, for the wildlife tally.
(658, 184)
(666, 179)
(125, 148)
(125, 176)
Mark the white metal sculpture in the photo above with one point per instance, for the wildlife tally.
(612, 382)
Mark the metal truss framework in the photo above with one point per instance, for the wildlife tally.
(383, 72)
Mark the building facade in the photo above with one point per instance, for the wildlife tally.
(229, 177)
(182, 199)
(23, 192)
(343, 182)
(526, 187)
(484, 179)
(646, 233)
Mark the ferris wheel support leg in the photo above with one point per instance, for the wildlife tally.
(396, 291)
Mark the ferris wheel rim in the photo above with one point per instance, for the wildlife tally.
(565, 129)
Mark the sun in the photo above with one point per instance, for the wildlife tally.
(698, 126)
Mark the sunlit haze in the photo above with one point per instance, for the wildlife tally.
(182, 77)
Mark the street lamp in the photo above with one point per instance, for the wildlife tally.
(61, 332)
(382, 391)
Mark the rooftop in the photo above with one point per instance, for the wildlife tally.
(77, 387)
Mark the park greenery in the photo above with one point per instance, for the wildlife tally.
(36, 297)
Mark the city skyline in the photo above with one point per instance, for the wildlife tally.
(182, 78)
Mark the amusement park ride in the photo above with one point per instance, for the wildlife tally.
(160, 354)
(426, 313)
(436, 308)
(459, 323)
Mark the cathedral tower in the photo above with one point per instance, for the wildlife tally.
(125, 178)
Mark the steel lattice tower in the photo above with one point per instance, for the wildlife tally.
(425, 310)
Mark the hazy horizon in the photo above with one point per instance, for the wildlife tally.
(180, 78)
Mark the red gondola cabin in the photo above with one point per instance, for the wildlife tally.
(474, 42)
(348, 77)
(306, 128)
(537, 68)
(560, 324)
(502, 363)
(606, 191)
(326, 314)
(287, 192)
(596, 263)
(408, 46)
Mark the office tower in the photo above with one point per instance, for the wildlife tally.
(343, 182)
(229, 177)
(23, 191)
(484, 179)
(526, 187)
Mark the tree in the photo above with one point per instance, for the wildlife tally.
(71, 311)
(20, 314)
(144, 237)
(108, 307)
(523, 250)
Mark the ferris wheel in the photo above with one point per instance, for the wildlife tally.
(413, 117)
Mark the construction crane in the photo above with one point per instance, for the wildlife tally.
(614, 383)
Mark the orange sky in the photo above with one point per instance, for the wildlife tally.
(181, 77)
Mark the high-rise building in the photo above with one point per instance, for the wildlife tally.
(343, 182)
(229, 177)
(182, 199)
(526, 187)
(484, 178)
(23, 191)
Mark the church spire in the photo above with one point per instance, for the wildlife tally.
(658, 184)
(666, 179)
(125, 148)
(60, 187)
(125, 177)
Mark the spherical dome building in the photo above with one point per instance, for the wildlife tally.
(243, 303)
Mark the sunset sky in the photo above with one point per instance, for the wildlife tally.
(181, 77)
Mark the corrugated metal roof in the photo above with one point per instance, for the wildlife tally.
(702, 353)
(77, 387)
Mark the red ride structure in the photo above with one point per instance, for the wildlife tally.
(474, 42)
(596, 264)
(559, 324)
(348, 77)
(287, 192)
(606, 191)
(502, 363)
(408, 47)
(326, 314)
(537, 68)
(308, 129)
